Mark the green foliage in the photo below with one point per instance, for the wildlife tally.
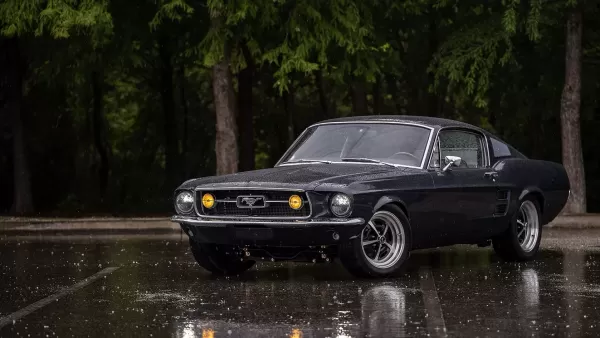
(468, 58)
(315, 29)
(58, 18)
(175, 10)
(484, 43)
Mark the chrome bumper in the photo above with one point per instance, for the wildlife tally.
(210, 222)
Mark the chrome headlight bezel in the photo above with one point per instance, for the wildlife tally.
(340, 200)
(184, 202)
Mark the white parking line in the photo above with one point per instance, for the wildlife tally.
(435, 317)
(43, 302)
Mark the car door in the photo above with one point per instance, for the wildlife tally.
(464, 195)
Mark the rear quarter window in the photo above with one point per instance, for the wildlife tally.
(501, 149)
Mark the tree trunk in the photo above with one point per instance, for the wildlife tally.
(377, 97)
(570, 115)
(245, 114)
(184, 133)
(11, 91)
(226, 145)
(99, 132)
(393, 89)
(288, 106)
(358, 91)
(432, 101)
(169, 115)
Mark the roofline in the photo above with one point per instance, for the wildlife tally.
(376, 121)
(435, 122)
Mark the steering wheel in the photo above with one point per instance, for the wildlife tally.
(405, 153)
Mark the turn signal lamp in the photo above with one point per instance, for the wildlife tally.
(208, 201)
(295, 202)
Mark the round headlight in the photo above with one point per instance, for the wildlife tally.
(208, 201)
(340, 205)
(295, 202)
(184, 202)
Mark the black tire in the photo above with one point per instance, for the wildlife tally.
(218, 261)
(354, 258)
(507, 244)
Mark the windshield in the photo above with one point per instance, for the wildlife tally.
(398, 144)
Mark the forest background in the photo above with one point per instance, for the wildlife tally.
(106, 106)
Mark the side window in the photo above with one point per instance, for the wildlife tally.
(468, 146)
(500, 149)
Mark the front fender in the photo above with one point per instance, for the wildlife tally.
(391, 199)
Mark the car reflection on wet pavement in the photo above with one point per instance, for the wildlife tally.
(157, 290)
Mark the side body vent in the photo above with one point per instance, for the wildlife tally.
(502, 200)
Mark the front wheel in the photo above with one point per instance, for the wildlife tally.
(218, 260)
(521, 241)
(383, 246)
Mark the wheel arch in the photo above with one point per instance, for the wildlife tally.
(537, 194)
(385, 200)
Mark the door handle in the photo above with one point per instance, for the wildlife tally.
(491, 174)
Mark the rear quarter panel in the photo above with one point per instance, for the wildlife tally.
(540, 178)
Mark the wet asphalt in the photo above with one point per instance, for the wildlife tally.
(150, 286)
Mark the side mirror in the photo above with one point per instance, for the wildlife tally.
(451, 161)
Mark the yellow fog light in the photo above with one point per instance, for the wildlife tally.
(295, 202)
(208, 201)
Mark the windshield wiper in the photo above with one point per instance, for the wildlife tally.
(308, 161)
(365, 160)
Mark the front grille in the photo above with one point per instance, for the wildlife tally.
(276, 204)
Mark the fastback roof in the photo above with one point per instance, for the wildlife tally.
(424, 120)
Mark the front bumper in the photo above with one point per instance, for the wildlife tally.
(268, 232)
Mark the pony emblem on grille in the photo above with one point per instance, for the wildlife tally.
(251, 202)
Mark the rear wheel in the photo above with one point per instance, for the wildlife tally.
(219, 261)
(382, 247)
(521, 241)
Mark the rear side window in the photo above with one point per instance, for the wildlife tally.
(500, 149)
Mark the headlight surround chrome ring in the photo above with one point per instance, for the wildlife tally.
(184, 202)
(340, 204)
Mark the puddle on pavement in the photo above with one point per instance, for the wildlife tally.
(160, 291)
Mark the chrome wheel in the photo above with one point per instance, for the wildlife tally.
(383, 240)
(528, 229)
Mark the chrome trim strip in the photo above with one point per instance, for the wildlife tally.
(427, 147)
(291, 218)
(437, 134)
(263, 221)
(374, 122)
(267, 201)
(289, 149)
(284, 164)
(207, 188)
(431, 129)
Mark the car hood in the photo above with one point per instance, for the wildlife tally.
(305, 176)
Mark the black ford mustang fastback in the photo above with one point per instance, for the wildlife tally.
(368, 190)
